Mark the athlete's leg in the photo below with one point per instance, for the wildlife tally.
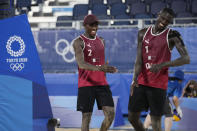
(147, 122)
(105, 102)
(137, 103)
(109, 117)
(168, 123)
(86, 117)
(134, 119)
(157, 99)
(168, 111)
(85, 103)
(156, 123)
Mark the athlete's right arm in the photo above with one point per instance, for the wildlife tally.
(138, 63)
(79, 56)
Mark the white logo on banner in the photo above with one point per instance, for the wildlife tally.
(63, 52)
(16, 64)
(9, 48)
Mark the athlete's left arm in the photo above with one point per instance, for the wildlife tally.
(180, 46)
(174, 39)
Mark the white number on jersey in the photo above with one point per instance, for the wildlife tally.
(148, 66)
(90, 52)
(146, 47)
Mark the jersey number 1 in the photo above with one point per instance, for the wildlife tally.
(148, 65)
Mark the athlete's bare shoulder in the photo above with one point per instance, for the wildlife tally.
(173, 34)
(78, 42)
(78, 39)
(142, 32)
(174, 37)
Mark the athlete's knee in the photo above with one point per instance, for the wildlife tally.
(109, 113)
(86, 117)
(156, 123)
(111, 116)
(133, 117)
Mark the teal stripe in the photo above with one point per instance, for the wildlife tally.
(15, 104)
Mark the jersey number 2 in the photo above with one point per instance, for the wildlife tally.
(90, 52)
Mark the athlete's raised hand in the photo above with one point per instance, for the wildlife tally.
(107, 68)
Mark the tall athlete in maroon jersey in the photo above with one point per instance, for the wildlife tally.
(90, 56)
(150, 78)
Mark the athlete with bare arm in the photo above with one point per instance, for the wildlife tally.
(150, 78)
(90, 56)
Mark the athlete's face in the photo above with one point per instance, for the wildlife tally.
(91, 29)
(163, 20)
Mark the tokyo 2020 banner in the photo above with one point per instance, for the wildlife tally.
(24, 102)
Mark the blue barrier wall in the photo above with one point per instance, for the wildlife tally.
(66, 85)
(57, 55)
(64, 107)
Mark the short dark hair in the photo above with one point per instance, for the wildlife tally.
(168, 10)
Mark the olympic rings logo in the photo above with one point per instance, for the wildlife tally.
(22, 46)
(17, 66)
(68, 48)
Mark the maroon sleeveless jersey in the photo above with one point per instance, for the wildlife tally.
(94, 53)
(155, 50)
